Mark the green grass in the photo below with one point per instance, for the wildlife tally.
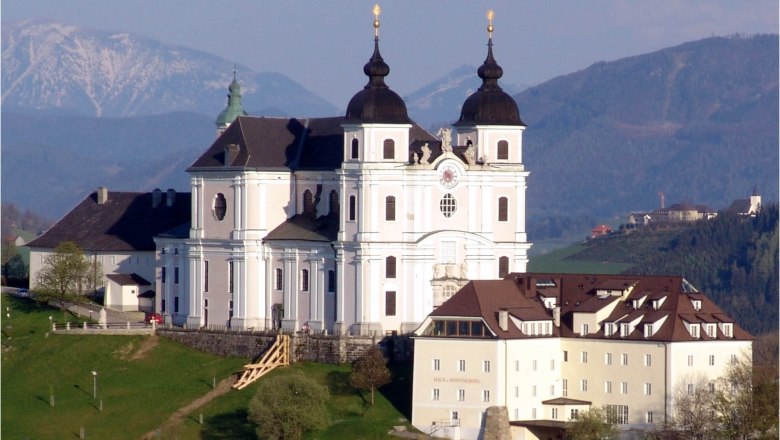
(558, 261)
(140, 395)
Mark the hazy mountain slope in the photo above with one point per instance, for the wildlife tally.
(698, 121)
(54, 67)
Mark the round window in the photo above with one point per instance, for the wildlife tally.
(220, 206)
(448, 205)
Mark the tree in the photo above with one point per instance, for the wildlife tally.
(370, 371)
(287, 407)
(593, 424)
(65, 271)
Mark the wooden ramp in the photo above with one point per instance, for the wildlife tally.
(276, 356)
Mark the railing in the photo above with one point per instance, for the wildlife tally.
(114, 327)
(442, 424)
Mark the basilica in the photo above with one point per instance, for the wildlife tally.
(355, 224)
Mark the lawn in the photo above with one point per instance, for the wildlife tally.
(139, 392)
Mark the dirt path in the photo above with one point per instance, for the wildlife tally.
(223, 387)
(146, 346)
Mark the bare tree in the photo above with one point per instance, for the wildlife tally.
(370, 371)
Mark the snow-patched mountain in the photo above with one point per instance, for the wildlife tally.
(59, 68)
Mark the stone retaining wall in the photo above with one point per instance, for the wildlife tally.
(304, 347)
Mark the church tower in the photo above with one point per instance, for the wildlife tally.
(233, 108)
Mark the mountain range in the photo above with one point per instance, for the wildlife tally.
(82, 108)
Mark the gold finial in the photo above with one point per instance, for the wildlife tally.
(490, 15)
(377, 10)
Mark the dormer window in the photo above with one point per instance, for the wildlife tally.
(648, 330)
(625, 330)
(608, 329)
(695, 330)
(388, 149)
(696, 304)
(728, 330)
(711, 330)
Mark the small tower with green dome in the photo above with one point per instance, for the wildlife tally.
(233, 108)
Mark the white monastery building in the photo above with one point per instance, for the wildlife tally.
(358, 224)
(548, 346)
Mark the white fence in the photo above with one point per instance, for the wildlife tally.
(114, 328)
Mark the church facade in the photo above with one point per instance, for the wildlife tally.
(355, 224)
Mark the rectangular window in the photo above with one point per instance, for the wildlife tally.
(574, 414)
(608, 387)
(390, 208)
(619, 413)
(279, 279)
(565, 387)
(711, 387)
(623, 358)
(517, 391)
(690, 389)
(435, 394)
(454, 415)
(436, 364)
(230, 277)
(690, 360)
(584, 357)
(554, 413)
(565, 356)
(552, 390)
(623, 387)
(175, 304)
(461, 395)
(533, 413)
(649, 417)
(533, 391)
(448, 252)
(533, 365)
(352, 208)
(486, 395)
(503, 209)
(486, 366)
(584, 330)
(390, 303)
(712, 360)
(607, 358)
(205, 276)
(390, 267)
(648, 360)
(648, 389)
(584, 385)
(552, 364)
(175, 275)
(331, 281)
(162, 275)
(462, 365)
(162, 306)
(517, 365)
(305, 280)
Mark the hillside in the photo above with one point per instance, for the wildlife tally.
(731, 258)
(698, 122)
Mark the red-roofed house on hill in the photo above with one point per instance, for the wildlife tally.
(600, 231)
(548, 346)
(115, 230)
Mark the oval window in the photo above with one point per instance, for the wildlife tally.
(220, 206)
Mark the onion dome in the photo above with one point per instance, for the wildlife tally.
(490, 105)
(233, 108)
(377, 103)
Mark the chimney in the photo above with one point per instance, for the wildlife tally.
(156, 197)
(102, 195)
(231, 152)
(170, 198)
(503, 320)
(557, 316)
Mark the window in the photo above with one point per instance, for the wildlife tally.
(308, 203)
(648, 330)
(448, 205)
(390, 208)
(454, 415)
(333, 205)
(502, 152)
(648, 360)
(331, 281)
(230, 276)
(279, 279)
(584, 330)
(712, 360)
(625, 330)
(220, 207)
(175, 275)
(305, 280)
(533, 365)
(175, 304)
(461, 395)
(552, 364)
(448, 290)
(503, 209)
(533, 391)
(690, 360)
(695, 330)
(205, 276)
(607, 358)
(389, 149)
(533, 413)
(486, 395)
(584, 385)
(552, 390)
(623, 387)
(565, 355)
(733, 359)
(648, 389)
(649, 417)
(435, 395)
(517, 413)
(623, 358)
(608, 387)
(584, 357)
(162, 275)
(554, 413)
(486, 366)
(436, 364)
(575, 413)
(390, 267)
(619, 413)
(390, 303)
(354, 152)
(462, 365)
(517, 391)
(711, 387)
(565, 387)
(503, 266)
(517, 365)
(711, 330)
(727, 330)
(352, 208)
(162, 305)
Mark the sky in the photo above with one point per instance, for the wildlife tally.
(323, 45)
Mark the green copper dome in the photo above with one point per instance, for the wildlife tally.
(234, 108)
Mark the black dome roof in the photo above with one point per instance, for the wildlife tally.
(490, 105)
(376, 103)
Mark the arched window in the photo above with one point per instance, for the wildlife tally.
(220, 206)
(352, 208)
(390, 208)
(334, 202)
(503, 209)
(390, 267)
(503, 266)
(354, 152)
(503, 150)
(389, 149)
(308, 203)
